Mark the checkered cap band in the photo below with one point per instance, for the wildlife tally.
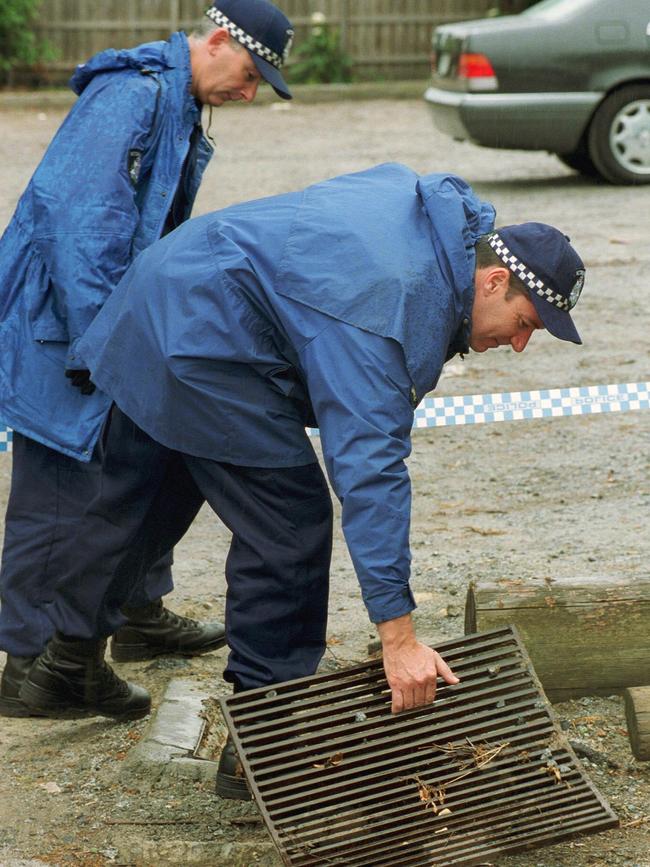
(527, 277)
(247, 40)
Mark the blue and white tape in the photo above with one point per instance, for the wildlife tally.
(5, 439)
(545, 403)
(519, 405)
(511, 406)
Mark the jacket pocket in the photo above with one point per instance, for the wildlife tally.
(47, 322)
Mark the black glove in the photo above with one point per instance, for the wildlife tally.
(81, 380)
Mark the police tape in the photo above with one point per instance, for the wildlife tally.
(510, 406)
(520, 405)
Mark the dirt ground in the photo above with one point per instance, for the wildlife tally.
(534, 500)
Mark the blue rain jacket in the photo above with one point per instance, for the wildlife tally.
(100, 195)
(336, 306)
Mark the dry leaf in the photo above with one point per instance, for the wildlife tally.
(331, 762)
(553, 771)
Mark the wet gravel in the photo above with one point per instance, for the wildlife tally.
(532, 500)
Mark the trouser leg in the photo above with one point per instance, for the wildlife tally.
(48, 494)
(277, 569)
(146, 502)
(155, 584)
(48, 497)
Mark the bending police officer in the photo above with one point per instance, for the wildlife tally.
(335, 307)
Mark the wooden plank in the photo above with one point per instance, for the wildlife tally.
(637, 712)
(585, 636)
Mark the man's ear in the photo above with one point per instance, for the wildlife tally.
(496, 280)
(218, 37)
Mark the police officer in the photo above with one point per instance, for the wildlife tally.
(333, 307)
(123, 169)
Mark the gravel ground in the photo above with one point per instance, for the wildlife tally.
(533, 500)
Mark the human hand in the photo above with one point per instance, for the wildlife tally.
(411, 668)
(81, 380)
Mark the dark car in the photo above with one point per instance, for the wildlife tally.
(568, 76)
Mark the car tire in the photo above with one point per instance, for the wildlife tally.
(580, 161)
(618, 141)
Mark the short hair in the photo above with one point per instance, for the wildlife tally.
(486, 257)
(206, 27)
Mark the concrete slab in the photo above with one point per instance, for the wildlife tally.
(172, 737)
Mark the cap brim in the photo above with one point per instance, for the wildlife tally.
(272, 75)
(557, 322)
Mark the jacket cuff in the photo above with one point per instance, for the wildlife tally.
(396, 605)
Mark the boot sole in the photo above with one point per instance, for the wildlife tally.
(143, 652)
(17, 709)
(40, 703)
(235, 788)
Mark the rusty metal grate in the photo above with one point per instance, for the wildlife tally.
(485, 771)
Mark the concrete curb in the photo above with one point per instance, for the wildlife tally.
(303, 93)
(173, 735)
(166, 753)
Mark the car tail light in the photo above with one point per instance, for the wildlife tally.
(477, 71)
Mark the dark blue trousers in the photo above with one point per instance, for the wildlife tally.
(277, 570)
(48, 496)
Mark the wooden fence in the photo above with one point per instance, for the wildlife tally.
(386, 39)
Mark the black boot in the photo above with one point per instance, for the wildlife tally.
(153, 631)
(231, 782)
(70, 680)
(15, 672)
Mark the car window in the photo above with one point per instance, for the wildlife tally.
(556, 8)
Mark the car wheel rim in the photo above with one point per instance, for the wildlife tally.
(629, 137)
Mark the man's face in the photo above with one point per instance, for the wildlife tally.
(223, 71)
(499, 319)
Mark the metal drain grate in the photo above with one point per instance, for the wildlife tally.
(485, 770)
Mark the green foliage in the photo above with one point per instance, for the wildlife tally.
(320, 59)
(19, 45)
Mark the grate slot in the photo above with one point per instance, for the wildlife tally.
(338, 790)
(471, 795)
(452, 851)
(446, 709)
(470, 692)
(300, 700)
(422, 732)
(371, 849)
(403, 758)
(414, 814)
(246, 709)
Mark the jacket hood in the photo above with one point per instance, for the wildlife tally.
(451, 204)
(152, 56)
